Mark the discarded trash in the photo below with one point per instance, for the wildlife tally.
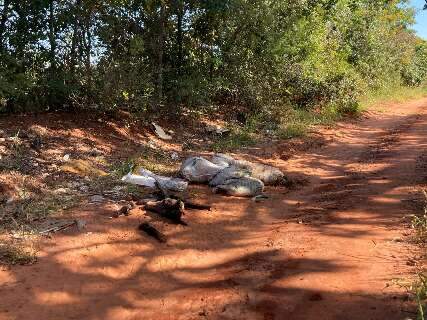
(267, 174)
(153, 232)
(158, 130)
(222, 160)
(171, 209)
(233, 177)
(198, 169)
(241, 187)
(145, 181)
(66, 157)
(151, 180)
(166, 183)
(231, 172)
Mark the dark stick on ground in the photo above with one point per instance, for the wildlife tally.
(196, 206)
(153, 232)
(171, 209)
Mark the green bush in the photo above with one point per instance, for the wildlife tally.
(416, 72)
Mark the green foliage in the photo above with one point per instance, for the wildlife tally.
(384, 97)
(419, 224)
(155, 56)
(421, 295)
(416, 72)
(238, 138)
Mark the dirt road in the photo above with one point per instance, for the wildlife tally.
(328, 250)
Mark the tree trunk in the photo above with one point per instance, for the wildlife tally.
(179, 38)
(74, 39)
(88, 51)
(3, 20)
(160, 52)
(52, 40)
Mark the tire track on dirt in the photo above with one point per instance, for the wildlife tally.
(340, 201)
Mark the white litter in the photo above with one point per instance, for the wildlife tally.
(171, 184)
(144, 181)
(198, 169)
(158, 130)
(148, 179)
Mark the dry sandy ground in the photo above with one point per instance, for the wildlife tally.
(325, 251)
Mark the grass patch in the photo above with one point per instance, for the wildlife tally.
(380, 98)
(292, 123)
(31, 202)
(236, 139)
(297, 123)
(155, 160)
(17, 157)
(17, 254)
(293, 130)
(419, 288)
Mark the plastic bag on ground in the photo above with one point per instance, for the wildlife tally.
(267, 174)
(151, 180)
(241, 187)
(231, 172)
(171, 184)
(222, 160)
(198, 169)
(144, 181)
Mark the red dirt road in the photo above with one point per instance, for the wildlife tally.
(324, 251)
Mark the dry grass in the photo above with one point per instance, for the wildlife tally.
(17, 253)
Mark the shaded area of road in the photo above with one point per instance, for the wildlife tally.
(324, 251)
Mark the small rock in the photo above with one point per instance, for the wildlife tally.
(81, 224)
(66, 157)
(84, 188)
(123, 211)
(97, 199)
(174, 156)
(259, 198)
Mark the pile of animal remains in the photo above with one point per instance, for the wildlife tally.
(223, 173)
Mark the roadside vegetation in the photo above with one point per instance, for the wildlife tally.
(266, 69)
(273, 60)
(419, 285)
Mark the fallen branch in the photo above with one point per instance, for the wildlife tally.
(196, 206)
(168, 208)
(153, 232)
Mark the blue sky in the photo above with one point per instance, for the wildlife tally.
(421, 24)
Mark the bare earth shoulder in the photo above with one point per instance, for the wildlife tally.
(327, 250)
